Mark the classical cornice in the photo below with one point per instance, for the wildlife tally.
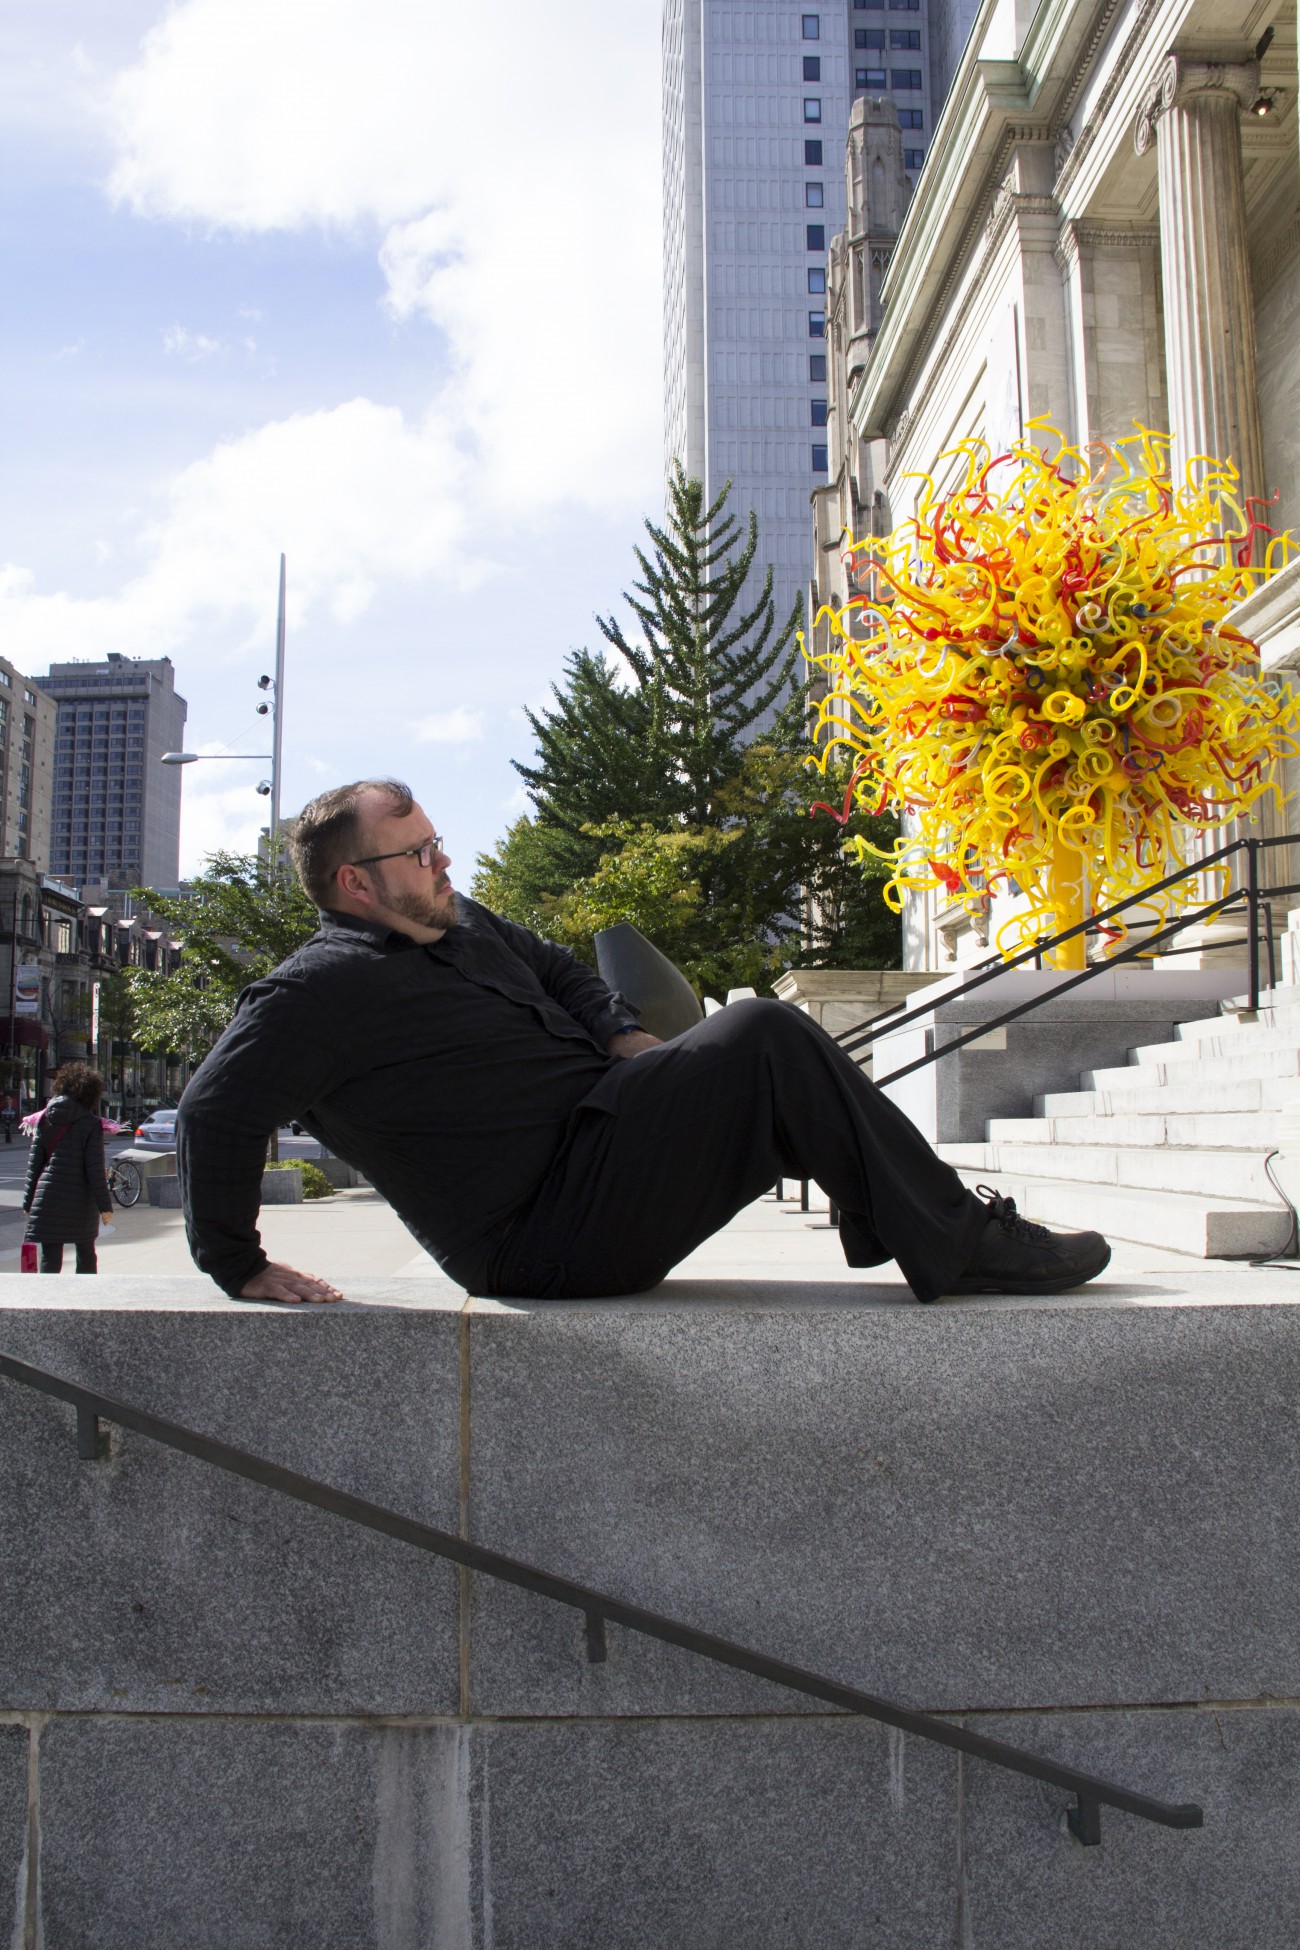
(1121, 70)
(1078, 236)
(1271, 618)
(992, 108)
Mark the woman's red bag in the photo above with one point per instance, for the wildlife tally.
(30, 1262)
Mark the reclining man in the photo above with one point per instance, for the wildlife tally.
(533, 1138)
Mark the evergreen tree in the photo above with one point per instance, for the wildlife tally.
(710, 662)
(656, 802)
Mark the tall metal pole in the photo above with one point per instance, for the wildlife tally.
(277, 720)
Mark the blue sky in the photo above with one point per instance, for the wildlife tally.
(375, 282)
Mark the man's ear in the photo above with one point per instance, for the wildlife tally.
(351, 881)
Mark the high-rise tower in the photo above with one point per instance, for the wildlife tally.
(117, 810)
(756, 101)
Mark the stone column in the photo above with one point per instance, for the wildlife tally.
(1194, 117)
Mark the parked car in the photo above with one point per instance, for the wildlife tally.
(159, 1130)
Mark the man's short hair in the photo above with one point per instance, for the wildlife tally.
(327, 832)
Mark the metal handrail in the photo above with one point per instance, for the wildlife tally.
(599, 1607)
(864, 1033)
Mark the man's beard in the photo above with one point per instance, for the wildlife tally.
(436, 909)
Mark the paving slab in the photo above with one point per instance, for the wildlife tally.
(771, 1835)
(221, 1835)
(149, 1580)
(13, 1830)
(931, 1503)
(1233, 1885)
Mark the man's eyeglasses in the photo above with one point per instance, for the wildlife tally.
(424, 853)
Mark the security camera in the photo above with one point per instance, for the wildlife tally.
(264, 789)
(263, 683)
(262, 710)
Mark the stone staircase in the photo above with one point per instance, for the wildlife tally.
(1167, 1150)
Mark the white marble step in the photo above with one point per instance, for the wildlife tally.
(1247, 1062)
(1201, 1225)
(1161, 1168)
(1212, 1129)
(1222, 1038)
(1146, 1094)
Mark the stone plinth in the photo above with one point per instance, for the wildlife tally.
(841, 999)
(999, 1075)
(228, 1719)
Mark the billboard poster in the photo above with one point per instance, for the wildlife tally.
(27, 989)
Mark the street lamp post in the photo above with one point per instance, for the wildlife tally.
(267, 787)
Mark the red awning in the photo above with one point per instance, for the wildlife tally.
(25, 1032)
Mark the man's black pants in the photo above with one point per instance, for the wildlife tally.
(671, 1144)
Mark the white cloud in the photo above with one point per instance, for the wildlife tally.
(458, 727)
(514, 202)
(355, 496)
(509, 186)
(222, 811)
(188, 345)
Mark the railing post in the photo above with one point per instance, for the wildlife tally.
(1084, 1819)
(87, 1434)
(1252, 894)
(1268, 936)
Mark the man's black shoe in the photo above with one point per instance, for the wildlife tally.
(1016, 1256)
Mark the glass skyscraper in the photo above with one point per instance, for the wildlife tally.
(756, 101)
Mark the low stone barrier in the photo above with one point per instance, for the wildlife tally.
(278, 1188)
(229, 1719)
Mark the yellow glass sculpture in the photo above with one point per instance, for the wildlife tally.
(1039, 672)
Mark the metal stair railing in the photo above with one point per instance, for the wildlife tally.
(600, 1608)
(1251, 894)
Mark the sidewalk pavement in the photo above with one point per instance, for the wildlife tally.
(769, 1251)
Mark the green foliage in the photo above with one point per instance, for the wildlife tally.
(650, 806)
(238, 920)
(314, 1182)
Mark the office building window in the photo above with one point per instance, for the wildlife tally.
(812, 108)
(816, 366)
(818, 412)
(812, 155)
(869, 6)
(812, 27)
(913, 158)
(904, 6)
(910, 118)
(869, 77)
(905, 37)
(816, 236)
(814, 195)
(900, 78)
(812, 67)
(816, 280)
(816, 324)
(869, 37)
(821, 460)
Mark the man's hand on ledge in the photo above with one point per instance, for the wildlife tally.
(631, 1042)
(276, 1282)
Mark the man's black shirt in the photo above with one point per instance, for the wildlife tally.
(446, 1073)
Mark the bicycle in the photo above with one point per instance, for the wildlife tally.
(124, 1181)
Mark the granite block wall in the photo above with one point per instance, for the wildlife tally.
(227, 1720)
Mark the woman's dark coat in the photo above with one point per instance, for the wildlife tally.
(67, 1187)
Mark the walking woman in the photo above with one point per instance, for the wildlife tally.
(66, 1193)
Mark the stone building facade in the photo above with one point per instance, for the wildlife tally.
(1107, 229)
